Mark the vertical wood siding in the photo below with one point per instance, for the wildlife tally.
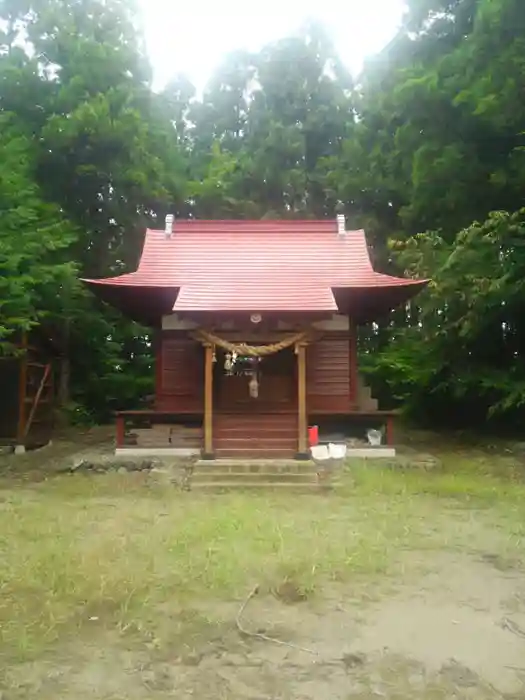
(328, 373)
(179, 373)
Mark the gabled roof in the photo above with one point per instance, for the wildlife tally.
(256, 265)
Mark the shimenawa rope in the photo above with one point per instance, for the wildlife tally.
(251, 350)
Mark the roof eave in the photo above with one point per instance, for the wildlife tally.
(145, 304)
(365, 304)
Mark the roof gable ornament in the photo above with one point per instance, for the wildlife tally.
(169, 225)
(341, 225)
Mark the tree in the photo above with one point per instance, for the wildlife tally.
(104, 155)
(268, 123)
(34, 237)
(468, 322)
(429, 139)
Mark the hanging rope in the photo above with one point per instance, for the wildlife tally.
(251, 350)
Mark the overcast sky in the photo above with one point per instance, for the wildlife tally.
(192, 37)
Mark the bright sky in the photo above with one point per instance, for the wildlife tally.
(192, 37)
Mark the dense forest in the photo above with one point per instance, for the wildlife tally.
(425, 150)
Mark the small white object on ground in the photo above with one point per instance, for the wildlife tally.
(330, 451)
(374, 437)
(320, 452)
(336, 451)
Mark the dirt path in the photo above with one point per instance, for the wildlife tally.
(455, 633)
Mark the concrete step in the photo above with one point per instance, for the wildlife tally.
(243, 466)
(214, 476)
(259, 486)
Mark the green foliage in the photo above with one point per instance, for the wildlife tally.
(448, 151)
(465, 343)
(33, 237)
(430, 138)
(92, 160)
(266, 127)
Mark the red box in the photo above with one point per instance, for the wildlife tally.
(313, 435)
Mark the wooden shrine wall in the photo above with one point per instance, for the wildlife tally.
(179, 373)
(328, 374)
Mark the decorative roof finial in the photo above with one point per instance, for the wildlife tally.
(341, 225)
(169, 225)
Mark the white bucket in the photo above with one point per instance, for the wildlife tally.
(320, 452)
(374, 437)
(337, 451)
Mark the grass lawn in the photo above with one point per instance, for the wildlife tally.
(402, 584)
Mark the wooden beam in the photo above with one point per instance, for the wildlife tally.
(301, 401)
(36, 400)
(208, 402)
(121, 430)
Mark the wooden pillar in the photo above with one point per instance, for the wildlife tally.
(121, 430)
(302, 451)
(208, 403)
(354, 372)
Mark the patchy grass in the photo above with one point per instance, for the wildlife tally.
(82, 550)
(476, 481)
(79, 548)
(118, 554)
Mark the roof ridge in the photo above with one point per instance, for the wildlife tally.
(264, 221)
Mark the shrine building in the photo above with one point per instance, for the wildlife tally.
(255, 328)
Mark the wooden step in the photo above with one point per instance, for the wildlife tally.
(289, 442)
(249, 417)
(255, 427)
(260, 429)
(238, 446)
(255, 440)
(255, 435)
(254, 453)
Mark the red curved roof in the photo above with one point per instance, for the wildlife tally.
(212, 264)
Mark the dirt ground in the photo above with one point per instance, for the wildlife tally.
(445, 620)
(453, 634)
